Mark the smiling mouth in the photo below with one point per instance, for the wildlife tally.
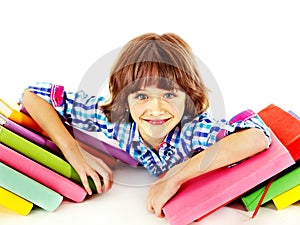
(156, 121)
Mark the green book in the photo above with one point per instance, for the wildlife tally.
(28, 188)
(41, 155)
(285, 180)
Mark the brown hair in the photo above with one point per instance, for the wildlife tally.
(175, 63)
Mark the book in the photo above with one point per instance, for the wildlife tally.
(29, 189)
(19, 117)
(42, 174)
(294, 114)
(103, 144)
(48, 144)
(285, 126)
(99, 142)
(15, 202)
(40, 155)
(30, 135)
(109, 160)
(292, 195)
(288, 178)
(285, 181)
(287, 198)
(206, 193)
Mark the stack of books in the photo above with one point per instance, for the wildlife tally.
(33, 171)
(285, 189)
(270, 175)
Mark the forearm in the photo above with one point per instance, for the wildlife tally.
(231, 149)
(45, 115)
(84, 163)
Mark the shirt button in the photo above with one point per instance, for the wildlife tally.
(163, 144)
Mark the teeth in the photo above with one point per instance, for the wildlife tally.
(157, 122)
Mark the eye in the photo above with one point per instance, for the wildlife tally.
(141, 96)
(169, 95)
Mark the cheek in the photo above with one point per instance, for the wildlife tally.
(136, 111)
(178, 107)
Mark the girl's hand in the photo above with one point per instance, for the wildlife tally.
(163, 190)
(88, 165)
(84, 163)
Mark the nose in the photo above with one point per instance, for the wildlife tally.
(155, 106)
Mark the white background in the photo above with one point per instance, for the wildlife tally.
(252, 48)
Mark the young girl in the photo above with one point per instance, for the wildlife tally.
(157, 111)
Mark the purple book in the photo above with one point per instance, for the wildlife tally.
(103, 144)
(294, 114)
(100, 143)
(29, 135)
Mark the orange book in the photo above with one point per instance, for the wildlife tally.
(19, 117)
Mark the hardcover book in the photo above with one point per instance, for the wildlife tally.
(29, 135)
(285, 126)
(19, 117)
(41, 155)
(15, 202)
(41, 174)
(103, 144)
(29, 189)
(287, 179)
(287, 198)
(206, 193)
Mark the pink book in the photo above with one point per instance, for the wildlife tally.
(204, 194)
(42, 174)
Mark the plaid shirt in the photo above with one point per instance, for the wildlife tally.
(189, 137)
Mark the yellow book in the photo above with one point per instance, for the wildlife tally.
(19, 117)
(287, 198)
(14, 202)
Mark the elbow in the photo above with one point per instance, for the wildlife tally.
(260, 140)
(26, 97)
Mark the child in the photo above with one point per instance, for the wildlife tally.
(157, 111)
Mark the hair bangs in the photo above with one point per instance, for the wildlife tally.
(150, 73)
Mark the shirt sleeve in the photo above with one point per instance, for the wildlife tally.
(77, 108)
(208, 131)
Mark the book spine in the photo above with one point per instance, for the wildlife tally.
(30, 135)
(41, 155)
(42, 174)
(287, 198)
(14, 202)
(29, 189)
(286, 180)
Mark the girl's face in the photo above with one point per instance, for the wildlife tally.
(156, 112)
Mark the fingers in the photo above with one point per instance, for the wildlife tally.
(155, 203)
(160, 192)
(100, 173)
(106, 174)
(97, 181)
(85, 183)
(156, 208)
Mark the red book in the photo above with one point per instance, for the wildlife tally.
(285, 126)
